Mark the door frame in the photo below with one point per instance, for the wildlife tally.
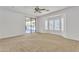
(30, 22)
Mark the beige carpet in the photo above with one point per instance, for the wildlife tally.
(38, 42)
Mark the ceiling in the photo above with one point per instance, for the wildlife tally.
(29, 10)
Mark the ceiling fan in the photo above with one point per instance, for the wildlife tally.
(39, 10)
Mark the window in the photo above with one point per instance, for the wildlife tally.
(57, 24)
(54, 24)
(46, 24)
(51, 25)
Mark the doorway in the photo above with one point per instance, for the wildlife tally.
(30, 25)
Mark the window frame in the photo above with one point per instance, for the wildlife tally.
(61, 25)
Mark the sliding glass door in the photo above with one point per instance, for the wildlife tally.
(30, 25)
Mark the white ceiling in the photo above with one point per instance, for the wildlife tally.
(29, 10)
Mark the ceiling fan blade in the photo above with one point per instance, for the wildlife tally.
(42, 9)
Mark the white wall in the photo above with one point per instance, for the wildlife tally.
(11, 23)
(71, 25)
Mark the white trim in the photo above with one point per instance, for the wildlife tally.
(71, 37)
(9, 36)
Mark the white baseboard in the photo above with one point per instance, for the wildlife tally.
(71, 37)
(9, 36)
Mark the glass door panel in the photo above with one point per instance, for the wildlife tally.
(30, 25)
(51, 25)
(33, 25)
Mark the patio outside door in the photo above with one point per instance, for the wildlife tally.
(30, 25)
